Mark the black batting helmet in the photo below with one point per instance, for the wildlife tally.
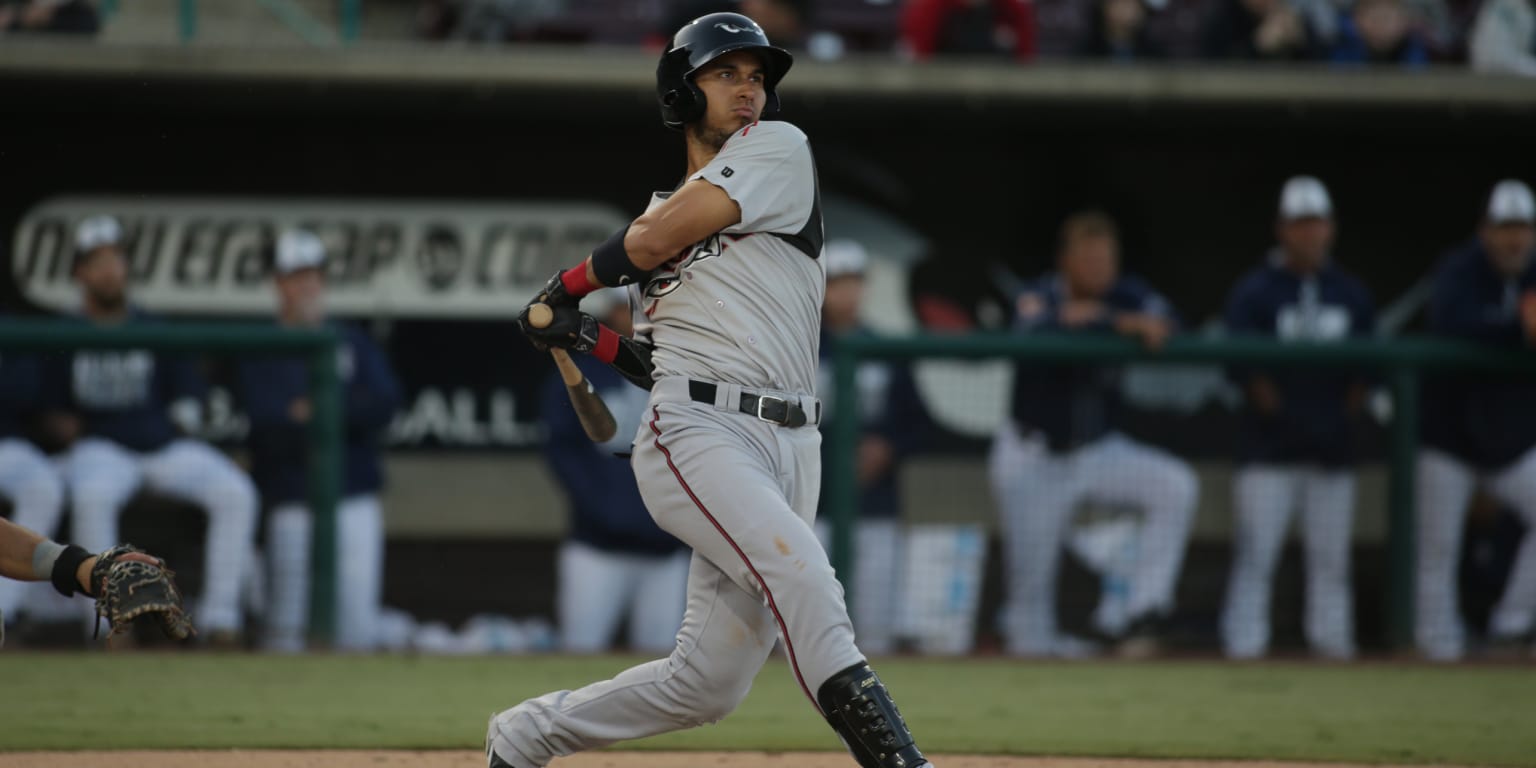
(701, 41)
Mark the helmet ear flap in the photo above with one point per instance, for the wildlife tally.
(680, 100)
(686, 103)
(771, 108)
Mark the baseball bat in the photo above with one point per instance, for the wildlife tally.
(596, 420)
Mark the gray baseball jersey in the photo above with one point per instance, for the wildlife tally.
(741, 309)
(744, 305)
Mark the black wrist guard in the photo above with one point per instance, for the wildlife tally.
(633, 362)
(611, 264)
(64, 576)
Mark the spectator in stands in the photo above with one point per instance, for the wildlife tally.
(1062, 447)
(1260, 30)
(127, 416)
(482, 21)
(677, 13)
(27, 479)
(616, 561)
(1380, 32)
(1296, 448)
(1117, 31)
(1440, 25)
(276, 395)
(1480, 429)
(969, 28)
(1504, 38)
(77, 17)
(788, 23)
(892, 424)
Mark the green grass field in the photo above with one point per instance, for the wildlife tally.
(1364, 713)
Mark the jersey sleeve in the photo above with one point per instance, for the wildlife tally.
(767, 169)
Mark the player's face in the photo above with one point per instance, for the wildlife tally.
(841, 305)
(103, 275)
(1090, 264)
(1307, 241)
(734, 92)
(302, 296)
(1509, 245)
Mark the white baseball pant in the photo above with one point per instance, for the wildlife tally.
(36, 493)
(879, 581)
(1039, 492)
(1444, 489)
(1265, 496)
(102, 476)
(742, 493)
(597, 590)
(359, 574)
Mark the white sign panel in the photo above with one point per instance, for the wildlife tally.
(210, 256)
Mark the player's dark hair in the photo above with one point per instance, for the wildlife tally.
(1085, 224)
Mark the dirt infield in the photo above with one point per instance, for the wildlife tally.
(449, 759)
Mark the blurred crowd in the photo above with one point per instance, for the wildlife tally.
(1496, 36)
(1493, 35)
(83, 432)
(1064, 454)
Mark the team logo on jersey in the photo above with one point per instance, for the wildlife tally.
(669, 276)
(113, 379)
(1318, 322)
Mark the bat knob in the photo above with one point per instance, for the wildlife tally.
(540, 315)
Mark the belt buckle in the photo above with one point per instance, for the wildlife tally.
(763, 401)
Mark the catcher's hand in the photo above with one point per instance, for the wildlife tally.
(129, 583)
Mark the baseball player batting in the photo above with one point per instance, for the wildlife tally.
(726, 274)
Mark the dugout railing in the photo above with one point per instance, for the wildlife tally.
(318, 347)
(1397, 363)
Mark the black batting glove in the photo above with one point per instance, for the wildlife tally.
(554, 293)
(571, 329)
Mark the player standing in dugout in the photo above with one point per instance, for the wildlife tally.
(726, 275)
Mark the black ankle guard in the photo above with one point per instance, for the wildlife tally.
(859, 708)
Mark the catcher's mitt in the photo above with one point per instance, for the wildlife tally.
(128, 584)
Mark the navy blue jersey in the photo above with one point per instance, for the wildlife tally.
(890, 407)
(1313, 424)
(1072, 405)
(122, 395)
(20, 388)
(1484, 420)
(606, 510)
(280, 446)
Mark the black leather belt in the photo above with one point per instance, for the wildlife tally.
(769, 408)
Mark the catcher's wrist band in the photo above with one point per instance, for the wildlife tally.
(611, 263)
(64, 569)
